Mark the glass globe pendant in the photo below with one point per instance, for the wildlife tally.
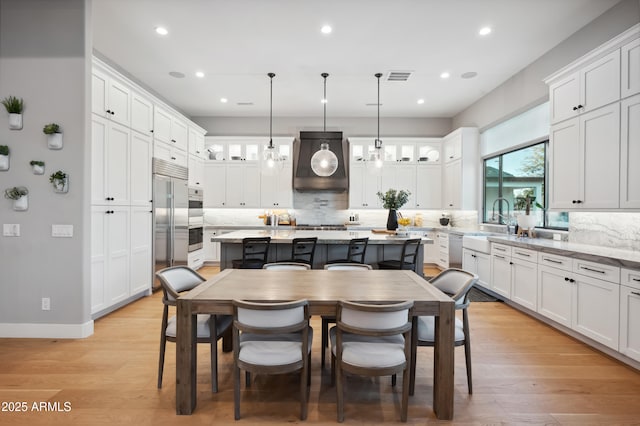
(272, 162)
(324, 162)
(376, 159)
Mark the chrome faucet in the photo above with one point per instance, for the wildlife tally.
(507, 219)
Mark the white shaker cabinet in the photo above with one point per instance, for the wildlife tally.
(630, 314)
(141, 155)
(363, 187)
(110, 97)
(501, 269)
(554, 294)
(524, 278)
(110, 162)
(584, 152)
(478, 263)
(196, 171)
(276, 190)
(630, 68)
(460, 172)
(170, 153)
(587, 89)
(630, 152)
(243, 185)
(141, 259)
(400, 176)
(215, 183)
(141, 114)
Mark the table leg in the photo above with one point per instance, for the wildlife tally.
(443, 362)
(185, 359)
(414, 352)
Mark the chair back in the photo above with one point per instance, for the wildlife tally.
(303, 249)
(357, 249)
(347, 267)
(409, 253)
(286, 266)
(374, 320)
(177, 279)
(267, 318)
(255, 248)
(455, 283)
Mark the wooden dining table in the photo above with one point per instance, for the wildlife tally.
(323, 289)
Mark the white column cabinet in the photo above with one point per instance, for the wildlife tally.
(630, 152)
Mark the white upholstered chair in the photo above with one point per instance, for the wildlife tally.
(287, 266)
(272, 338)
(372, 340)
(327, 319)
(176, 280)
(456, 283)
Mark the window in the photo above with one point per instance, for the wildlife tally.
(515, 177)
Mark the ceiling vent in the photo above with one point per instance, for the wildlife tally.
(244, 103)
(399, 75)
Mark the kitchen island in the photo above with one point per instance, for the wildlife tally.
(331, 245)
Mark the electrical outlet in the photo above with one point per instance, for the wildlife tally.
(11, 230)
(46, 304)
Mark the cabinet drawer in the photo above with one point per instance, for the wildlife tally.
(555, 261)
(443, 240)
(524, 254)
(630, 278)
(597, 270)
(501, 249)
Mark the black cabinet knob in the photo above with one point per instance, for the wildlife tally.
(108, 111)
(575, 108)
(566, 279)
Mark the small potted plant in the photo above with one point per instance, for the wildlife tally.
(60, 181)
(37, 167)
(14, 107)
(54, 135)
(526, 221)
(4, 157)
(393, 200)
(19, 196)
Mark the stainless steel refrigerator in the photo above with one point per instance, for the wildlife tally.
(170, 215)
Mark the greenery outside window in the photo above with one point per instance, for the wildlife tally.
(514, 176)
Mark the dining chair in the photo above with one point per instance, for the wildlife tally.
(180, 279)
(407, 258)
(330, 319)
(286, 266)
(455, 283)
(372, 340)
(356, 251)
(302, 250)
(272, 338)
(255, 251)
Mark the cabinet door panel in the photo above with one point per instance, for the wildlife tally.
(501, 275)
(630, 322)
(141, 153)
(483, 269)
(119, 102)
(596, 310)
(179, 134)
(99, 84)
(600, 82)
(141, 273)
(99, 135)
(630, 72)
(117, 164)
(564, 146)
(429, 187)
(451, 185)
(234, 185)
(118, 254)
(98, 259)
(554, 295)
(630, 153)
(564, 96)
(524, 288)
(251, 185)
(215, 181)
(161, 125)
(141, 114)
(601, 148)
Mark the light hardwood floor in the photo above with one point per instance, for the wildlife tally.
(524, 373)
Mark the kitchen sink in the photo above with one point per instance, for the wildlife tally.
(477, 243)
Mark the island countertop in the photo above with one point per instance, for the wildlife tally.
(286, 236)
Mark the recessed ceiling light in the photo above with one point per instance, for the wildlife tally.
(326, 29)
(199, 74)
(445, 75)
(324, 101)
(420, 101)
(469, 74)
(484, 31)
(224, 100)
(162, 30)
(176, 74)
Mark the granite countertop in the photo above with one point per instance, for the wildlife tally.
(605, 255)
(352, 228)
(284, 236)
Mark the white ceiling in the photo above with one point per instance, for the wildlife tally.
(237, 42)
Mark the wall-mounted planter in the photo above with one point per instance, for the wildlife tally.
(60, 181)
(54, 141)
(37, 167)
(4, 162)
(21, 204)
(15, 121)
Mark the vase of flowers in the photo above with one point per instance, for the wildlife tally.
(393, 200)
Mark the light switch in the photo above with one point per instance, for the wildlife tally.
(11, 230)
(62, 231)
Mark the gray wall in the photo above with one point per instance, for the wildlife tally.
(43, 59)
(526, 88)
(291, 126)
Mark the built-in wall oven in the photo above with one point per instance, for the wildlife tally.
(196, 219)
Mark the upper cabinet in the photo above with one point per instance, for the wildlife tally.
(110, 97)
(141, 114)
(170, 129)
(460, 173)
(593, 140)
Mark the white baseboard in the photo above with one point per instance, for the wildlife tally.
(47, 331)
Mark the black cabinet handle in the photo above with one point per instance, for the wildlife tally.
(636, 293)
(551, 260)
(173, 158)
(592, 270)
(636, 279)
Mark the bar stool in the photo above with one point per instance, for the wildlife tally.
(254, 253)
(302, 250)
(356, 252)
(407, 257)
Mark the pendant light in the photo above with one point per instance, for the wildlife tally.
(271, 161)
(324, 162)
(376, 159)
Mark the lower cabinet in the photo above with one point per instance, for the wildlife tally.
(501, 270)
(195, 259)
(596, 309)
(431, 251)
(478, 263)
(524, 283)
(630, 314)
(554, 295)
(141, 273)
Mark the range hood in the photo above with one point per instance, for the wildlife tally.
(304, 179)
